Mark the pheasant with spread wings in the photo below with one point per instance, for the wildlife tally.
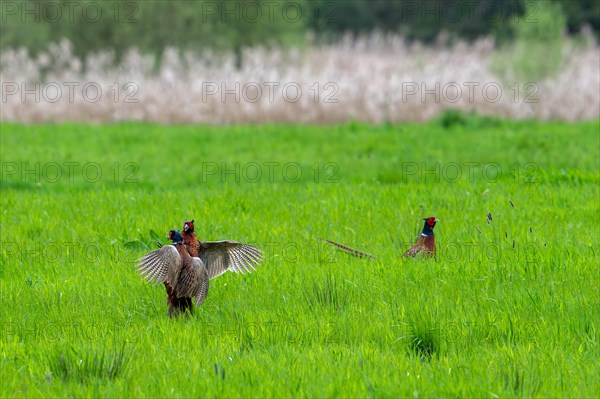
(187, 268)
(221, 256)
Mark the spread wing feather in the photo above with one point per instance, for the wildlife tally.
(161, 265)
(193, 281)
(201, 289)
(221, 256)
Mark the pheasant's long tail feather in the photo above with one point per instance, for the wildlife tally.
(351, 251)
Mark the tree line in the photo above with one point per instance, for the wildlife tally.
(230, 25)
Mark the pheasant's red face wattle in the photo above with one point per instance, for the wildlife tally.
(188, 225)
(431, 221)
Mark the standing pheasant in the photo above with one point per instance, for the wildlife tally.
(186, 276)
(221, 256)
(425, 245)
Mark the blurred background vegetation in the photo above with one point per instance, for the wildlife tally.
(228, 25)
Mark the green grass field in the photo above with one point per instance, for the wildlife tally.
(509, 308)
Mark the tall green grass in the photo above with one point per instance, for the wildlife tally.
(73, 365)
(508, 309)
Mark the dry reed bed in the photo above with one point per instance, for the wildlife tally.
(373, 79)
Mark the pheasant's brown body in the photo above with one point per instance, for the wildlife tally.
(180, 304)
(191, 242)
(425, 246)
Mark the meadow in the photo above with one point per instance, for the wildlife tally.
(509, 308)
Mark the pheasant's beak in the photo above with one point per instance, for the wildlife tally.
(436, 220)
